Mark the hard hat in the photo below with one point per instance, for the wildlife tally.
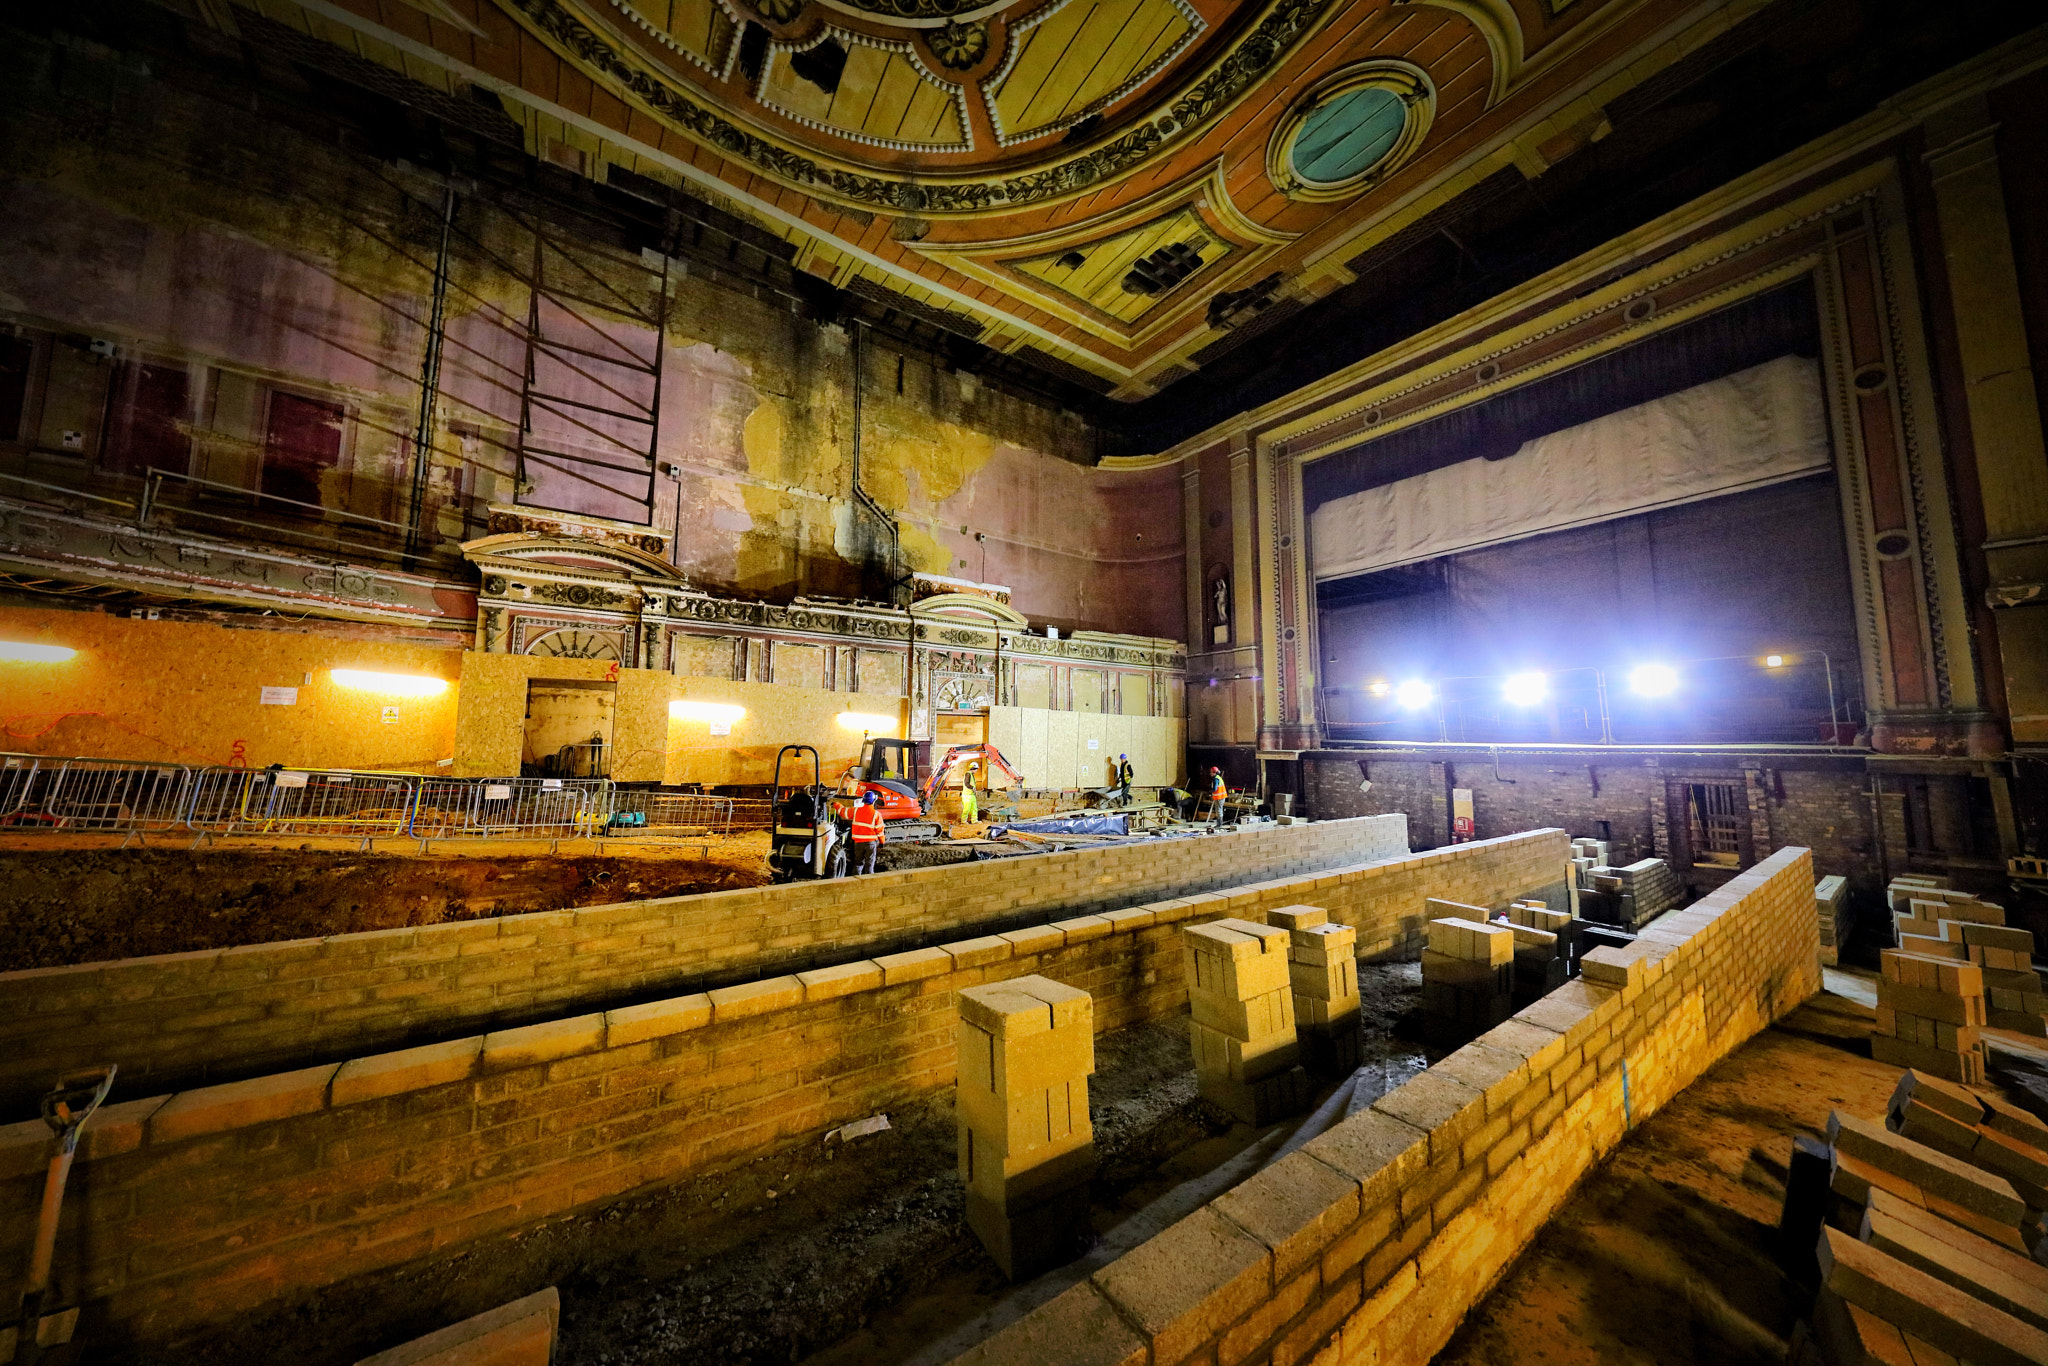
(1214, 769)
(1123, 756)
(867, 799)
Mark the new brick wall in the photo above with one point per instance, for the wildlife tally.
(183, 1018)
(1371, 1242)
(188, 1208)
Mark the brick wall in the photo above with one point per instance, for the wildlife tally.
(182, 1018)
(188, 1208)
(1371, 1242)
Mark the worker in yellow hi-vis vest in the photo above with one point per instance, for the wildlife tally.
(970, 806)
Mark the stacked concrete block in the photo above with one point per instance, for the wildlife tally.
(1596, 850)
(1026, 1145)
(2012, 989)
(1468, 971)
(1562, 925)
(1831, 912)
(1930, 1015)
(1648, 888)
(1983, 1130)
(1241, 999)
(1323, 970)
(1541, 958)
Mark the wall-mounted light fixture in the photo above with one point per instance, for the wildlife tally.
(685, 710)
(22, 652)
(392, 685)
(869, 722)
(1525, 689)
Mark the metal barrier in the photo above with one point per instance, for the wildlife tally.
(535, 808)
(91, 794)
(41, 793)
(699, 813)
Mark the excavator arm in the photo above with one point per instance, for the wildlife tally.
(961, 754)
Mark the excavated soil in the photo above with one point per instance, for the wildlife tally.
(90, 905)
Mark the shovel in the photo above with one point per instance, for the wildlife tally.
(65, 1110)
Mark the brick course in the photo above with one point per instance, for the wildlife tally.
(1373, 1240)
(188, 1209)
(179, 1019)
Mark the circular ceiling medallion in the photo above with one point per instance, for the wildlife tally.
(1351, 130)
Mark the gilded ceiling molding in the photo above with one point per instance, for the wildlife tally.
(1284, 25)
(667, 40)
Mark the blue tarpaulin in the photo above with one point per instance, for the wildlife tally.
(1073, 825)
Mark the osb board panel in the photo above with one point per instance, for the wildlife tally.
(640, 726)
(881, 673)
(189, 692)
(490, 719)
(702, 656)
(1034, 686)
(1051, 747)
(776, 715)
(1062, 729)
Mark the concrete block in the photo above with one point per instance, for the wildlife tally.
(1019, 1006)
(238, 1104)
(544, 1042)
(914, 966)
(1296, 1207)
(1934, 1172)
(1011, 1183)
(974, 953)
(1035, 1240)
(1926, 1307)
(755, 998)
(411, 1069)
(2023, 1295)
(1241, 1060)
(1037, 939)
(844, 979)
(1260, 1102)
(1077, 1327)
(1235, 959)
(2004, 1117)
(1272, 1013)
(521, 1333)
(1188, 1284)
(1480, 941)
(1297, 917)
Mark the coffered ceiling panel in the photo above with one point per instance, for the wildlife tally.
(1125, 276)
(881, 97)
(1074, 56)
(699, 29)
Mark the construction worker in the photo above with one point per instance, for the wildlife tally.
(1124, 774)
(868, 833)
(1218, 791)
(970, 806)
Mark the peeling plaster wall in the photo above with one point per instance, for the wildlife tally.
(190, 232)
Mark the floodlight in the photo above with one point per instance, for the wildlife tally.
(391, 685)
(1415, 694)
(21, 652)
(1774, 661)
(706, 711)
(866, 721)
(1654, 680)
(1525, 689)
(1378, 687)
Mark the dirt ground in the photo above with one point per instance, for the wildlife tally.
(88, 905)
(1665, 1256)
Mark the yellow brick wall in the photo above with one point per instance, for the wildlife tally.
(189, 1017)
(193, 1207)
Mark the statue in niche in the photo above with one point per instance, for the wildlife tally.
(1219, 594)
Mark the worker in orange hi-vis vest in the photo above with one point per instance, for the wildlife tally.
(868, 835)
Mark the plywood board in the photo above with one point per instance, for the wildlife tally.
(640, 726)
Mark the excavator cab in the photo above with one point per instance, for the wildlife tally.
(808, 839)
(887, 767)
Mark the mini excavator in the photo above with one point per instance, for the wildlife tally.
(887, 768)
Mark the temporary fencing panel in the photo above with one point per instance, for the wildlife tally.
(302, 802)
(91, 794)
(550, 808)
(639, 809)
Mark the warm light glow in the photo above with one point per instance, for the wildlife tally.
(867, 721)
(395, 685)
(23, 653)
(705, 711)
(1654, 680)
(1774, 661)
(1525, 690)
(1414, 694)
(1378, 687)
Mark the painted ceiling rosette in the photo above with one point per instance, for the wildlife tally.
(930, 107)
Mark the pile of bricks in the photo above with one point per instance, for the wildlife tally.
(1930, 1015)
(1026, 1144)
(1322, 965)
(1941, 922)
(1831, 911)
(1932, 1243)
(1629, 897)
(1468, 971)
(1545, 949)
(1587, 855)
(1242, 1026)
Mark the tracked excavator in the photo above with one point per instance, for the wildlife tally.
(887, 767)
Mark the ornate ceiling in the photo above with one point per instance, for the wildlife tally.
(1108, 188)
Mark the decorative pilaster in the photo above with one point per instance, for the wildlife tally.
(1287, 660)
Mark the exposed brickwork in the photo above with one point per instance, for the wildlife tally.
(284, 1182)
(1372, 1241)
(184, 1018)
